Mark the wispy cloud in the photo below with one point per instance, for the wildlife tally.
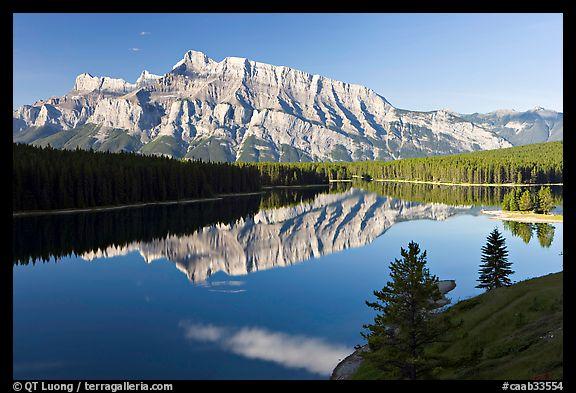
(134, 49)
(145, 33)
(293, 351)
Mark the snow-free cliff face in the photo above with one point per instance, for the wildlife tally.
(238, 109)
(284, 236)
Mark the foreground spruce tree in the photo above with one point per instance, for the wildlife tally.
(406, 324)
(495, 268)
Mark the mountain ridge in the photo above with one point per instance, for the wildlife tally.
(242, 110)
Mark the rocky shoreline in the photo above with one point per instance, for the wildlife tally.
(348, 366)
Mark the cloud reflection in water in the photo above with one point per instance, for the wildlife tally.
(292, 351)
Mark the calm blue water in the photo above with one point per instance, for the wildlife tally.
(275, 294)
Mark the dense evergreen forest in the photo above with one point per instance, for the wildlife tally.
(537, 163)
(46, 178)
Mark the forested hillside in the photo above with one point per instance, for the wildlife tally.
(46, 178)
(538, 163)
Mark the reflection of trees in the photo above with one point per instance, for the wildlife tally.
(525, 231)
(58, 235)
(435, 193)
(282, 197)
(545, 234)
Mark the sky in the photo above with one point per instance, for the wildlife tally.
(462, 62)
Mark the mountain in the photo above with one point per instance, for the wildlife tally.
(522, 128)
(242, 110)
(284, 236)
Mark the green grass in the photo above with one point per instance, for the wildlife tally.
(518, 329)
(32, 134)
(257, 150)
(84, 137)
(291, 154)
(164, 145)
(119, 140)
(211, 149)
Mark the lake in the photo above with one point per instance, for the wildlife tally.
(267, 286)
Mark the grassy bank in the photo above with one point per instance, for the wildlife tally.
(508, 333)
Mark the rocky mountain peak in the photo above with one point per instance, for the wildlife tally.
(193, 61)
(88, 83)
(243, 110)
(146, 77)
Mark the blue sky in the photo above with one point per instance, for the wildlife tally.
(463, 62)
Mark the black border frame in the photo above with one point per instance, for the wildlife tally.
(412, 6)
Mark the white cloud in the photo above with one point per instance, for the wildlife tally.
(134, 49)
(294, 351)
(145, 33)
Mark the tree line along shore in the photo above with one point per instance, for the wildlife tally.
(48, 179)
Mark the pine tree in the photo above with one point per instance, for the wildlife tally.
(526, 203)
(545, 201)
(406, 324)
(514, 200)
(495, 268)
(506, 201)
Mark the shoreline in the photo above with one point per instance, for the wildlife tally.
(104, 208)
(132, 205)
(528, 217)
(221, 196)
(470, 184)
(348, 366)
(302, 186)
(136, 205)
(442, 183)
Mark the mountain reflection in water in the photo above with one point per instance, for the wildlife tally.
(237, 238)
(246, 234)
(282, 237)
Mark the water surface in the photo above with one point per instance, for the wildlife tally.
(256, 287)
